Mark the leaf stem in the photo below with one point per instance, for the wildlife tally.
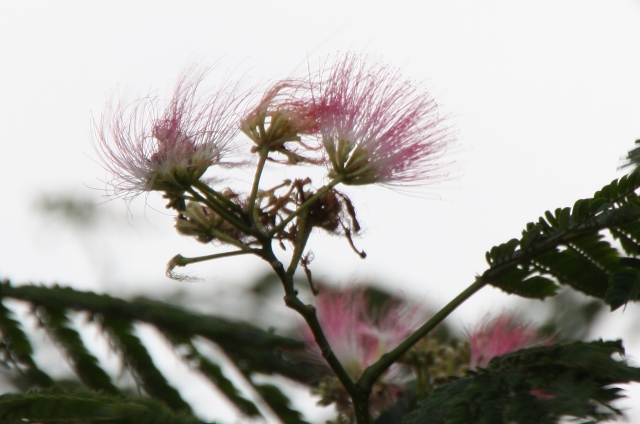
(302, 236)
(180, 261)
(212, 194)
(218, 208)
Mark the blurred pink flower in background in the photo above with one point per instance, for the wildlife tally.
(377, 127)
(146, 149)
(357, 333)
(499, 336)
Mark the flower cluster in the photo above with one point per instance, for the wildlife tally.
(361, 122)
(371, 125)
(377, 127)
(146, 150)
(359, 119)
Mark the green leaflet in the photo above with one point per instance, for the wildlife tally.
(633, 157)
(573, 246)
(17, 350)
(213, 372)
(84, 363)
(139, 362)
(279, 403)
(625, 285)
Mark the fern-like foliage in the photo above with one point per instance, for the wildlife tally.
(577, 246)
(17, 352)
(55, 406)
(537, 385)
(253, 351)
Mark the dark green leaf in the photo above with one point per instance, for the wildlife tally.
(213, 372)
(530, 235)
(279, 403)
(536, 385)
(630, 262)
(17, 347)
(259, 350)
(572, 245)
(514, 280)
(55, 407)
(625, 286)
(564, 218)
(399, 410)
(139, 361)
(551, 219)
(84, 363)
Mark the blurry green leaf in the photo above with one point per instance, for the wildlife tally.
(213, 372)
(50, 407)
(399, 410)
(83, 362)
(535, 385)
(18, 350)
(252, 349)
(633, 158)
(279, 403)
(625, 286)
(69, 208)
(139, 361)
(259, 350)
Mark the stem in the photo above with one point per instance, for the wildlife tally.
(264, 153)
(337, 180)
(180, 261)
(371, 374)
(359, 397)
(302, 236)
(214, 195)
(220, 210)
(223, 237)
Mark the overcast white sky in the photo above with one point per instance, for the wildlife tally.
(545, 96)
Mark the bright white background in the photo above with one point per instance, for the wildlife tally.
(545, 96)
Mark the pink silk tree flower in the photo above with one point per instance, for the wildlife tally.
(377, 127)
(146, 149)
(499, 336)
